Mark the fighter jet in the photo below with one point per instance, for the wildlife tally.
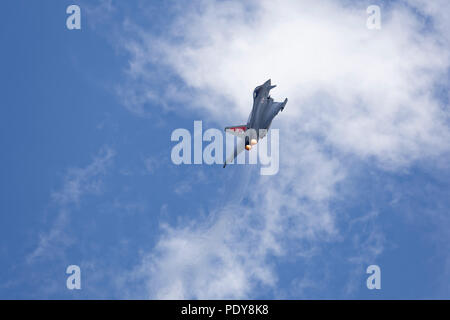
(263, 111)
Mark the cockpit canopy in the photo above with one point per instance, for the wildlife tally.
(256, 91)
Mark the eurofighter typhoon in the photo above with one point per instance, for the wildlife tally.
(263, 111)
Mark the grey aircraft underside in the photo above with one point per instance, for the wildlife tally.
(263, 111)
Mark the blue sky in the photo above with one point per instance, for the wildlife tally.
(87, 179)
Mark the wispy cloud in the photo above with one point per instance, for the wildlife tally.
(81, 181)
(78, 182)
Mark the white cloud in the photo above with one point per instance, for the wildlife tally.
(227, 256)
(353, 92)
(366, 92)
(212, 260)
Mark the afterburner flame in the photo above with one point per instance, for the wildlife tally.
(248, 147)
(253, 142)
